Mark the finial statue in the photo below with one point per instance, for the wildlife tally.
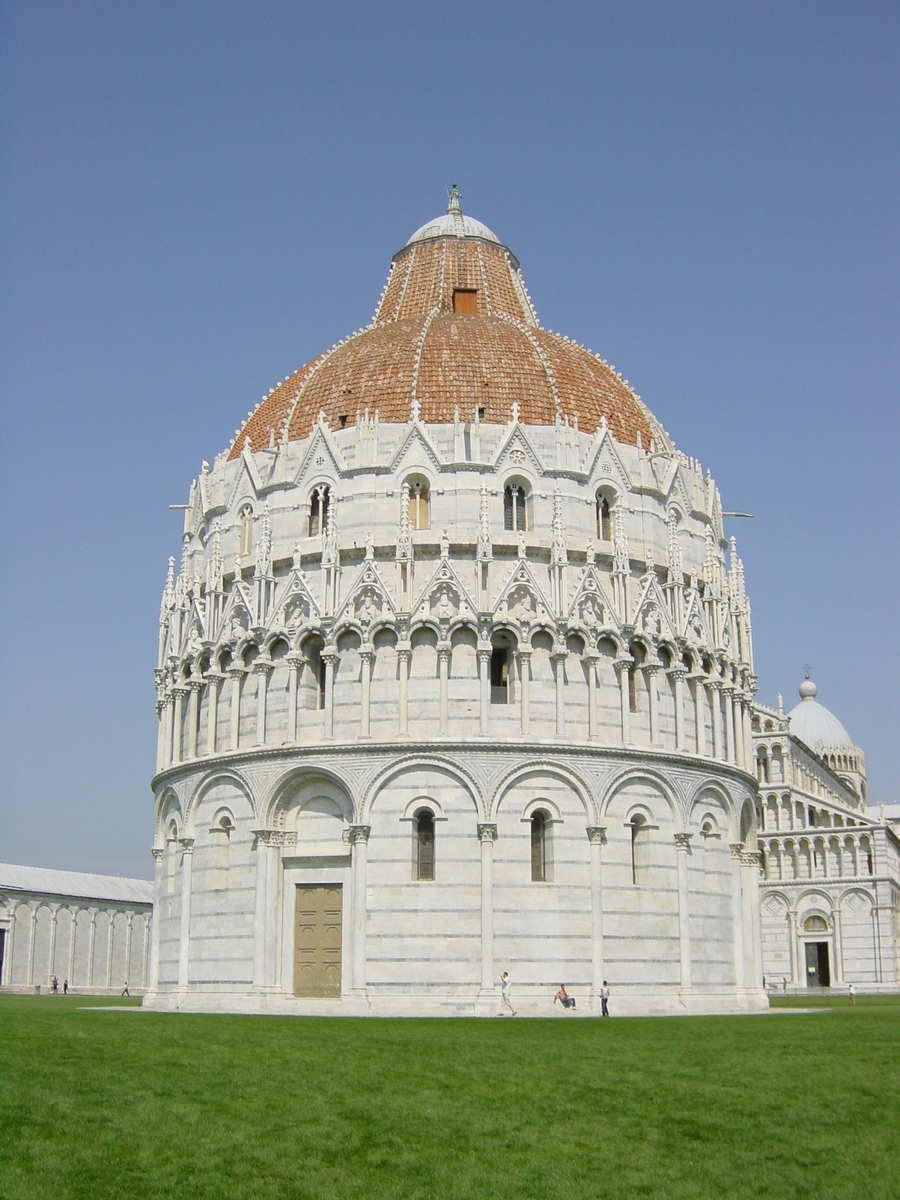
(454, 199)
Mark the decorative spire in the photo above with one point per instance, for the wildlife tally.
(673, 551)
(711, 574)
(404, 531)
(620, 542)
(214, 565)
(168, 596)
(484, 525)
(329, 543)
(558, 551)
(264, 545)
(183, 583)
(590, 554)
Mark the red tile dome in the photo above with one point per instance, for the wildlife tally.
(455, 330)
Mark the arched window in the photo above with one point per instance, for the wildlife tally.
(424, 826)
(604, 524)
(246, 530)
(514, 515)
(221, 835)
(640, 847)
(500, 675)
(419, 504)
(539, 847)
(318, 510)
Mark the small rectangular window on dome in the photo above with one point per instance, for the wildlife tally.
(465, 301)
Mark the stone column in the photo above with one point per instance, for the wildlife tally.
(110, 933)
(700, 715)
(559, 661)
(650, 669)
(330, 657)
(486, 834)
(838, 947)
(177, 725)
(295, 662)
(359, 842)
(53, 929)
(678, 674)
(403, 654)
(184, 942)
(212, 711)
(752, 946)
(260, 908)
(523, 659)
(32, 933)
(169, 731)
(593, 665)
(738, 714)
(235, 674)
(728, 691)
(793, 946)
(160, 734)
(70, 965)
(275, 842)
(596, 835)
(263, 669)
(682, 849)
(713, 685)
(737, 914)
(484, 674)
(92, 937)
(128, 933)
(193, 716)
(443, 650)
(366, 657)
(748, 735)
(622, 666)
(158, 854)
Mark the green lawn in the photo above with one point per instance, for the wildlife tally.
(98, 1104)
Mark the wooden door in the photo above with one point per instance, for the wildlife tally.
(317, 940)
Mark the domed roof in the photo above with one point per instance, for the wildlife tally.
(454, 330)
(815, 725)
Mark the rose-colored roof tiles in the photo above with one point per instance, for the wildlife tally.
(487, 360)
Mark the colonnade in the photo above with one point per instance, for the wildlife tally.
(727, 705)
(850, 855)
(22, 932)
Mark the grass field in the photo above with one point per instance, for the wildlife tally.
(99, 1104)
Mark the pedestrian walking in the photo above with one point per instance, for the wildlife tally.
(125, 991)
(65, 987)
(604, 999)
(54, 986)
(852, 996)
(505, 994)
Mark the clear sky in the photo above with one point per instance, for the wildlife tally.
(195, 199)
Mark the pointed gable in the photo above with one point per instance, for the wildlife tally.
(592, 607)
(295, 604)
(523, 599)
(416, 449)
(516, 449)
(444, 597)
(604, 464)
(651, 614)
(322, 456)
(368, 599)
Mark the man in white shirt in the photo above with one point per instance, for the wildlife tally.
(505, 989)
(604, 999)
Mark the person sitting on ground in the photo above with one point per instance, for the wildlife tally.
(563, 996)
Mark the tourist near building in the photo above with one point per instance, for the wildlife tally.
(456, 677)
(90, 930)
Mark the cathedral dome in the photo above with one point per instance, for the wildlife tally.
(815, 725)
(455, 335)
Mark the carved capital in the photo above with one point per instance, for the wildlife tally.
(367, 651)
(737, 849)
(359, 833)
(158, 852)
(751, 858)
(596, 834)
(623, 664)
(487, 831)
(443, 649)
(683, 841)
(187, 844)
(268, 837)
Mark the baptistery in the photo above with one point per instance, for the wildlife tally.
(455, 678)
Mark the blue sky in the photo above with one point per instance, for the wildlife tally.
(196, 199)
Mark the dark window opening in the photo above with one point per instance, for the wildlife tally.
(480, 412)
(342, 420)
(318, 511)
(425, 846)
(514, 509)
(500, 675)
(604, 527)
(465, 301)
(323, 666)
(538, 848)
(632, 690)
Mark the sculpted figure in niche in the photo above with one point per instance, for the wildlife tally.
(194, 640)
(445, 544)
(445, 608)
(237, 629)
(652, 622)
